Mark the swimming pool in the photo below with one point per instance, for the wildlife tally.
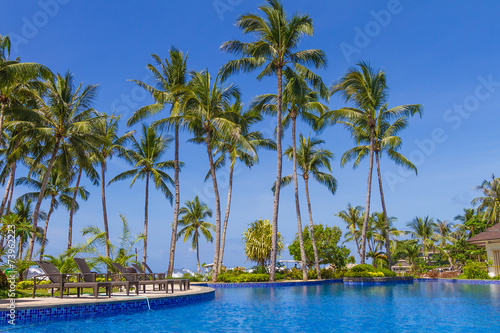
(420, 306)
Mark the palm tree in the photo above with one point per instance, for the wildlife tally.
(59, 192)
(385, 140)
(192, 216)
(423, 229)
(13, 73)
(353, 216)
(242, 148)
(121, 253)
(490, 202)
(278, 38)
(206, 112)
(107, 128)
(62, 125)
(257, 239)
(410, 250)
(368, 91)
(300, 101)
(311, 159)
(21, 218)
(170, 78)
(145, 156)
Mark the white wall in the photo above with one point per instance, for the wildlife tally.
(489, 252)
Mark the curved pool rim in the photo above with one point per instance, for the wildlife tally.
(76, 309)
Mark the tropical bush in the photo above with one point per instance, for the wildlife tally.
(363, 268)
(387, 272)
(245, 277)
(363, 274)
(475, 270)
(28, 284)
(4, 284)
(259, 270)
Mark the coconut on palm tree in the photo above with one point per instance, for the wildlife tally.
(192, 219)
(207, 114)
(276, 50)
(146, 157)
(368, 91)
(170, 78)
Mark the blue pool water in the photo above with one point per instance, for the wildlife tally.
(421, 306)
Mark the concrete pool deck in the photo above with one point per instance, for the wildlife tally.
(87, 299)
(46, 309)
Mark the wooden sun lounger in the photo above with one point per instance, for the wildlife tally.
(90, 276)
(137, 277)
(60, 281)
(183, 283)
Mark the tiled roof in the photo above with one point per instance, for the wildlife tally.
(492, 233)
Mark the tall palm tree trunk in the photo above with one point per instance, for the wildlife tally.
(297, 204)
(51, 209)
(198, 254)
(217, 208)
(311, 228)
(72, 211)
(173, 239)
(274, 244)
(2, 108)
(368, 194)
(20, 251)
(40, 197)
(104, 211)
(386, 220)
(145, 252)
(11, 194)
(226, 217)
(10, 183)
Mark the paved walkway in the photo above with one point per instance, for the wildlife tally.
(87, 299)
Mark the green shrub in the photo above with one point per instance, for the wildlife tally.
(100, 279)
(327, 273)
(28, 284)
(244, 277)
(387, 272)
(475, 270)
(4, 284)
(311, 274)
(293, 274)
(259, 270)
(363, 274)
(363, 268)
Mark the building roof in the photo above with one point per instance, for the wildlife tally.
(490, 234)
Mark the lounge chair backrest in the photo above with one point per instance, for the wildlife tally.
(88, 276)
(129, 277)
(52, 272)
(141, 271)
(147, 268)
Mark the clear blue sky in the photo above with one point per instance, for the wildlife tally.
(442, 54)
